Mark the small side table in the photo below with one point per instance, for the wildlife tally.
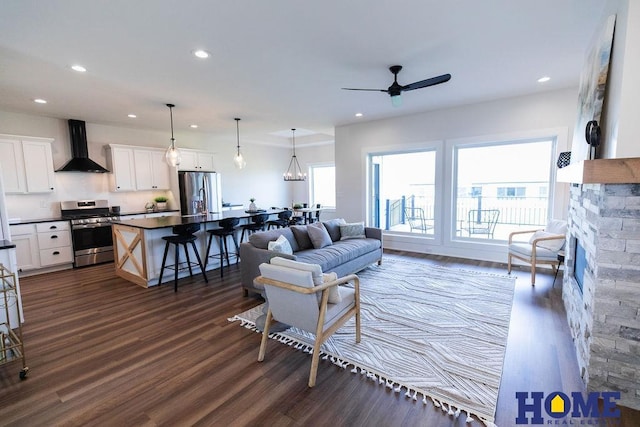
(560, 262)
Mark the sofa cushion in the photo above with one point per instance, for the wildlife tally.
(281, 244)
(261, 240)
(353, 230)
(319, 235)
(339, 253)
(333, 228)
(301, 237)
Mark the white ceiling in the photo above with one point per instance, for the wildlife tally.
(280, 64)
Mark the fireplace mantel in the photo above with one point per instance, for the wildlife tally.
(602, 171)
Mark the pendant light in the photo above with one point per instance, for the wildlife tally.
(172, 156)
(294, 171)
(238, 160)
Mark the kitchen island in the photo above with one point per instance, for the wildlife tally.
(138, 244)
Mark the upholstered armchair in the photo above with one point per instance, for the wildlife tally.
(542, 249)
(295, 300)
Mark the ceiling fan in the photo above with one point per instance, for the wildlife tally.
(396, 89)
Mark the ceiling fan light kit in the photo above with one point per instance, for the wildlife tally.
(396, 89)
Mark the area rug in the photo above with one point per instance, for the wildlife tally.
(433, 333)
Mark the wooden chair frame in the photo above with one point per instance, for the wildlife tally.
(533, 259)
(321, 336)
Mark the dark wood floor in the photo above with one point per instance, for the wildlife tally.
(103, 351)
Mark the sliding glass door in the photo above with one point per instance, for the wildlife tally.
(404, 191)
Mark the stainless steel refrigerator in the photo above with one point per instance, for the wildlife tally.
(199, 192)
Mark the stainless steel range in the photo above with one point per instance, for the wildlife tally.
(90, 230)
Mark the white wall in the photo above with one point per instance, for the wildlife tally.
(512, 116)
(260, 179)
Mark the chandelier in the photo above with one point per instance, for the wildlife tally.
(172, 156)
(294, 171)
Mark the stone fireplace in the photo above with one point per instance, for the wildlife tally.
(603, 252)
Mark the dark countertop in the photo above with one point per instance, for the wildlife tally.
(170, 221)
(36, 221)
(40, 220)
(6, 244)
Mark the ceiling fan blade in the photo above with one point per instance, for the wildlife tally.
(371, 90)
(428, 82)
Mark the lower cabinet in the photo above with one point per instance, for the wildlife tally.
(42, 245)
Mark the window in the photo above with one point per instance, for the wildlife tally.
(510, 187)
(322, 185)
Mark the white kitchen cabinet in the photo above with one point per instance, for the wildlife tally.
(26, 164)
(41, 245)
(26, 240)
(151, 170)
(122, 168)
(38, 163)
(195, 160)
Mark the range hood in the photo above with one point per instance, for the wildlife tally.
(80, 161)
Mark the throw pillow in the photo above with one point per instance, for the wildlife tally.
(333, 228)
(282, 245)
(334, 291)
(302, 237)
(318, 235)
(353, 230)
(552, 245)
(315, 269)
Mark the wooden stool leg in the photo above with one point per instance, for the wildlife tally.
(186, 252)
(175, 267)
(221, 247)
(206, 256)
(164, 260)
(204, 274)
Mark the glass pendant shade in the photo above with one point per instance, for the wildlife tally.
(396, 100)
(172, 155)
(238, 160)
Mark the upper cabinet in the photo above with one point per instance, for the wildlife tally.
(137, 168)
(195, 160)
(152, 172)
(26, 164)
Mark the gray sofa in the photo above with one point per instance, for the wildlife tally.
(342, 256)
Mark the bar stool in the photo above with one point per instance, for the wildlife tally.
(283, 220)
(258, 223)
(182, 234)
(227, 228)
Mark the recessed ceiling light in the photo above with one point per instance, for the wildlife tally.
(194, 126)
(358, 114)
(544, 79)
(40, 101)
(131, 116)
(203, 54)
(78, 68)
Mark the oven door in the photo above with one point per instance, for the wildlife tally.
(92, 244)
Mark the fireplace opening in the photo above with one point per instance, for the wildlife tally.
(580, 265)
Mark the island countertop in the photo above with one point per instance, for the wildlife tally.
(170, 221)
